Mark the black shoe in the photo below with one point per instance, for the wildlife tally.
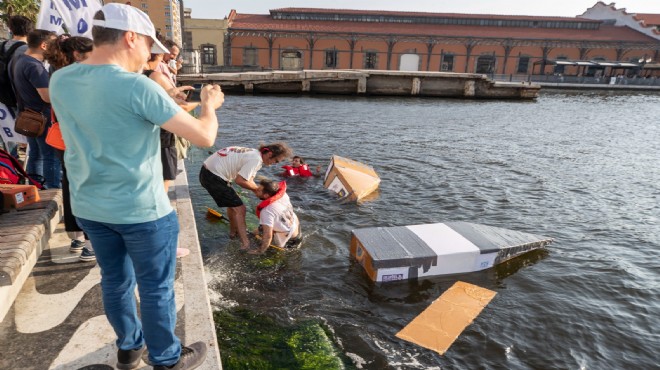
(129, 359)
(191, 357)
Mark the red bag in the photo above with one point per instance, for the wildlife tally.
(11, 171)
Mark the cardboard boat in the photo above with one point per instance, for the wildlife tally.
(407, 252)
(350, 179)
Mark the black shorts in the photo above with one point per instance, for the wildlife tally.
(169, 159)
(223, 194)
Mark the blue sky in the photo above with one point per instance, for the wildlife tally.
(564, 8)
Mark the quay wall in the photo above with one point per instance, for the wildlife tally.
(367, 82)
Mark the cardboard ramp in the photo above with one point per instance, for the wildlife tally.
(438, 326)
(406, 252)
(350, 179)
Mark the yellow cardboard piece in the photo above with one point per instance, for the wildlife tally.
(438, 326)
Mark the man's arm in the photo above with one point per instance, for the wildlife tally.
(43, 93)
(202, 131)
(266, 238)
(245, 184)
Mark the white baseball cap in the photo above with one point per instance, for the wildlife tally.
(128, 18)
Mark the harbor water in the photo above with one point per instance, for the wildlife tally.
(582, 168)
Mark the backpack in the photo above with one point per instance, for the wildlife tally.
(7, 95)
(11, 172)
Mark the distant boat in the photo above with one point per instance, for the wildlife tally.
(350, 179)
(407, 252)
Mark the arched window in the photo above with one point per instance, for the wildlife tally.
(250, 56)
(291, 60)
(370, 59)
(485, 64)
(409, 62)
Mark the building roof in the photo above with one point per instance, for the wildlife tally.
(423, 14)
(259, 22)
(649, 19)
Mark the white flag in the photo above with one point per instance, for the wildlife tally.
(78, 15)
(49, 18)
(7, 126)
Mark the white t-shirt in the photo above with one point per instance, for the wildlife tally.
(233, 161)
(280, 216)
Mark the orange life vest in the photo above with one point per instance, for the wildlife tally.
(265, 203)
(302, 171)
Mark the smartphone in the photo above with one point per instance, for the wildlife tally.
(195, 96)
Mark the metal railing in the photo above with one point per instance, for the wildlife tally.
(206, 69)
(620, 80)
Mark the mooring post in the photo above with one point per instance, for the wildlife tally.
(362, 85)
(468, 89)
(249, 87)
(416, 86)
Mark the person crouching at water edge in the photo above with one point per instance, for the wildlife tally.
(278, 223)
(239, 165)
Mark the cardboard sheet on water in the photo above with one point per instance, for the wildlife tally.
(438, 326)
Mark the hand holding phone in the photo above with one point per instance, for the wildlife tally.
(195, 95)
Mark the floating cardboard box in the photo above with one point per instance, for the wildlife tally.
(17, 196)
(438, 326)
(350, 179)
(406, 252)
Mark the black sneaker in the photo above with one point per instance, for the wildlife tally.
(87, 255)
(76, 246)
(191, 357)
(129, 359)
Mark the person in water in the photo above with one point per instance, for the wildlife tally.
(298, 167)
(278, 223)
(239, 165)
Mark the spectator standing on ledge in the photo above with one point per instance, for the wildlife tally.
(172, 59)
(62, 52)
(110, 117)
(20, 27)
(30, 80)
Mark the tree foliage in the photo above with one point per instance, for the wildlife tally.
(28, 8)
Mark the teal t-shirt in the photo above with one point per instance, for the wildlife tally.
(110, 121)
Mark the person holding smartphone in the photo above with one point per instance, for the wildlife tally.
(117, 192)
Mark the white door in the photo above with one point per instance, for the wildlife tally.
(409, 62)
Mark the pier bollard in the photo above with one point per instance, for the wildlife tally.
(468, 88)
(362, 85)
(416, 86)
(249, 88)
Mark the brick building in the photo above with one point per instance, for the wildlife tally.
(304, 38)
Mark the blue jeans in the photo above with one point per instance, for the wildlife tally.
(146, 253)
(42, 161)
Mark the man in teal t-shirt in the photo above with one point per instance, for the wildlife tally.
(110, 118)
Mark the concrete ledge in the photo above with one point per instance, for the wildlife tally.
(199, 325)
(367, 82)
(564, 86)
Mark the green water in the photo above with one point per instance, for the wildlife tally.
(255, 341)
